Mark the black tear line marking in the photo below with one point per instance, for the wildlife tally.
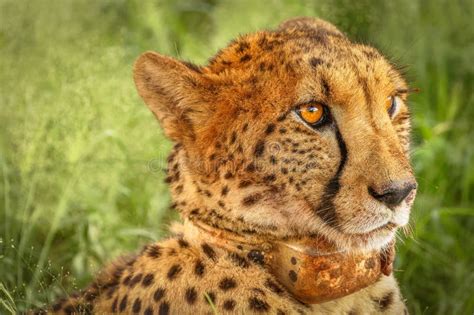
(326, 210)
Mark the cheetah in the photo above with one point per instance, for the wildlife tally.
(287, 139)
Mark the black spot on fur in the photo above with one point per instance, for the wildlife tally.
(244, 183)
(57, 306)
(256, 256)
(233, 137)
(229, 305)
(250, 168)
(194, 212)
(164, 309)
(191, 295)
(258, 305)
(239, 260)
(243, 45)
(111, 290)
(114, 305)
(148, 311)
(153, 251)
(259, 148)
(315, 62)
(293, 260)
(199, 268)
(147, 280)
(183, 243)
(173, 272)
(208, 251)
(270, 129)
(127, 279)
(123, 304)
(69, 310)
(211, 296)
(90, 296)
(137, 305)
(224, 191)
(245, 58)
(179, 189)
(159, 293)
(293, 276)
(136, 279)
(280, 312)
(269, 178)
(325, 87)
(385, 302)
(282, 117)
(251, 199)
(258, 291)
(227, 284)
(228, 175)
(275, 288)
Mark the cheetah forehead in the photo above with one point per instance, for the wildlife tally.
(303, 50)
(321, 43)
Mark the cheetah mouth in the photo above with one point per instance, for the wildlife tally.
(389, 226)
(374, 239)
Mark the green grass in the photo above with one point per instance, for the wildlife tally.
(81, 156)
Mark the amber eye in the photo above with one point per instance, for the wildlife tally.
(391, 105)
(314, 114)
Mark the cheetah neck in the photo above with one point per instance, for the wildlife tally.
(312, 270)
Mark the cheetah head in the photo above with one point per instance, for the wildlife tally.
(287, 133)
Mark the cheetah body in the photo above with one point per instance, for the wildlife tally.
(186, 274)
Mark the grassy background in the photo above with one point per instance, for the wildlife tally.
(81, 156)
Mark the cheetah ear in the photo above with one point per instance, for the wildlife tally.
(308, 23)
(175, 92)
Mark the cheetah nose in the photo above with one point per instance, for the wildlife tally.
(394, 193)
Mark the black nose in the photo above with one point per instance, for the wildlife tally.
(394, 193)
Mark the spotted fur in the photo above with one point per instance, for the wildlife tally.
(245, 163)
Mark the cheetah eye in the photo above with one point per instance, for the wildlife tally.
(391, 105)
(313, 113)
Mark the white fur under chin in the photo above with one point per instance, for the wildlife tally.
(362, 238)
(368, 233)
(355, 243)
(401, 215)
